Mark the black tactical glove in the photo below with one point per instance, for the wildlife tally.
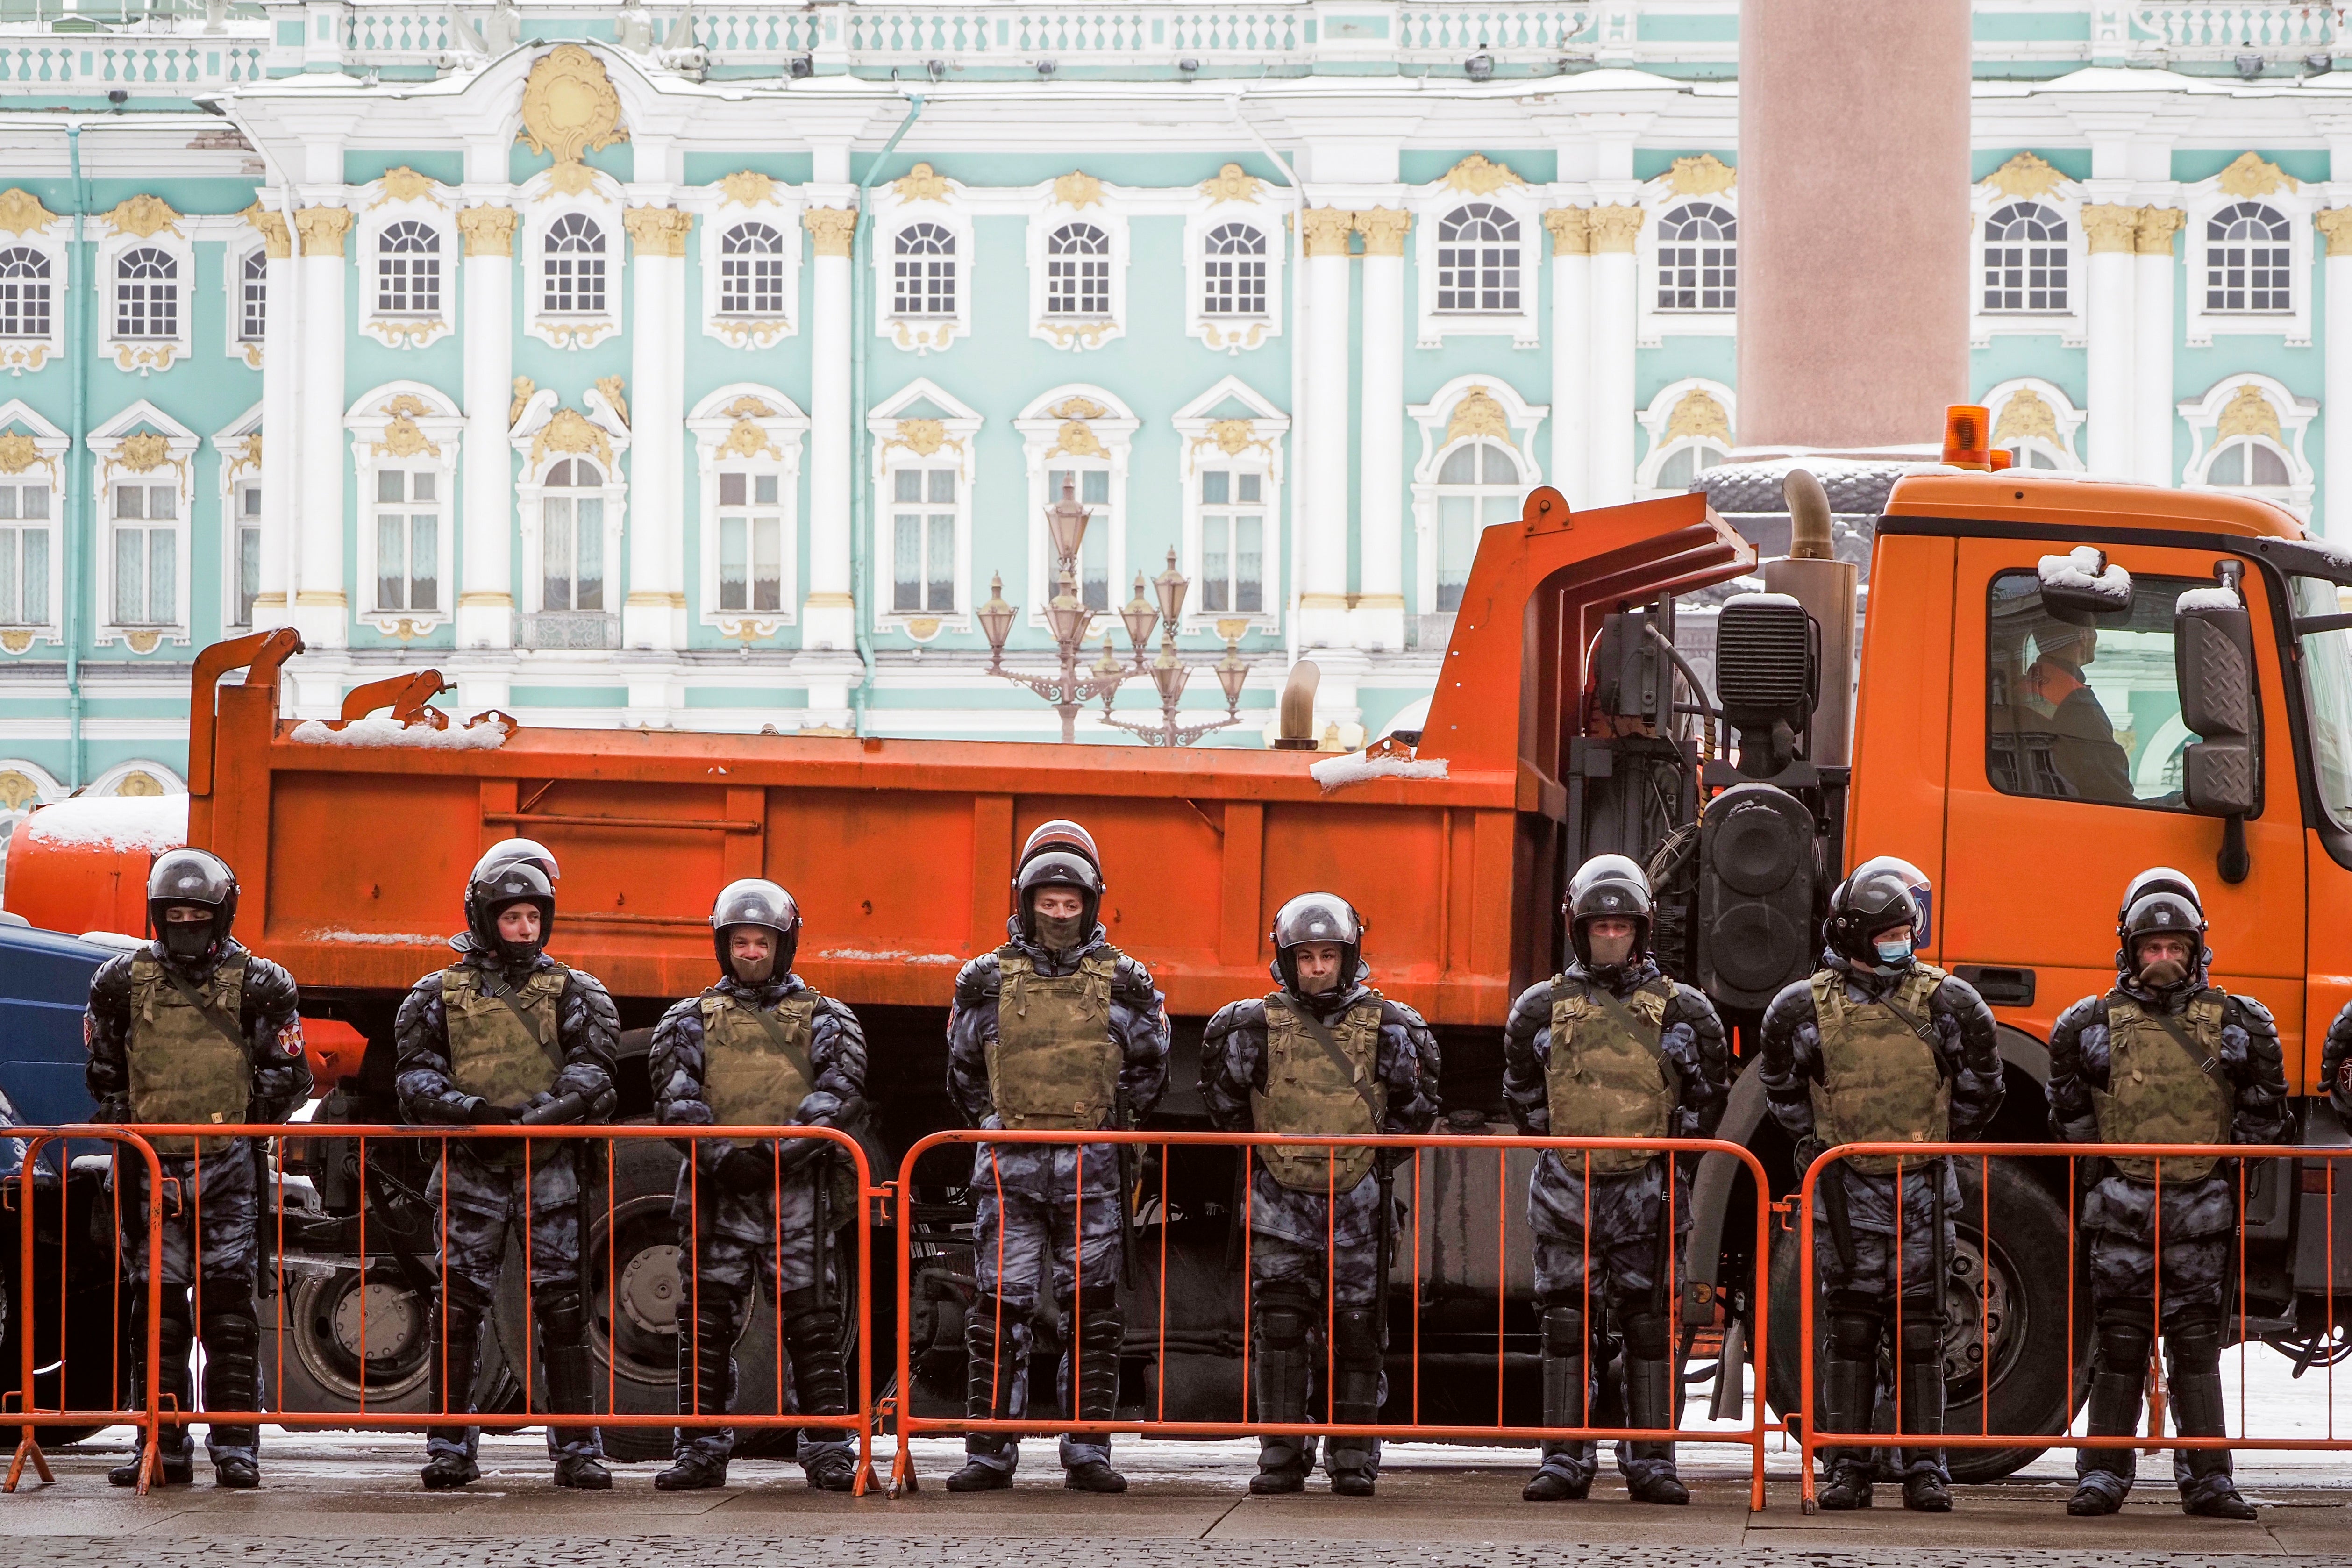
(482, 1113)
(747, 1169)
(791, 1154)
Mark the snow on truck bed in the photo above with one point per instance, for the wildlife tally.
(117, 822)
(391, 732)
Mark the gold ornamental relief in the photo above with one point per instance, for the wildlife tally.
(1705, 176)
(572, 431)
(2248, 413)
(276, 240)
(615, 389)
(16, 642)
(405, 184)
(746, 439)
(1078, 189)
(523, 388)
(569, 180)
(831, 229)
(2152, 235)
(922, 437)
(322, 229)
(1698, 414)
(747, 188)
(1232, 183)
(747, 407)
(402, 438)
(488, 231)
(17, 791)
(1480, 176)
(2110, 227)
(2025, 176)
(245, 456)
(921, 183)
(18, 451)
(2336, 223)
(1479, 415)
(1614, 229)
(2251, 175)
(658, 231)
(1233, 437)
(143, 452)
(21, 210)
(1571, 229)
(143, 216)
(1383, 229)
(1077, 408)
(1327, 230)
(1077, 438)
(569, 106)
(2027, 416)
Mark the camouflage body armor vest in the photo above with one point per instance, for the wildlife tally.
(1605, 1079)
(2162, 1087)
(1880, 1083)
(183, 1067)
(1308, 1089)
(1053, 1064)
(749, 1078)
(492, 1055)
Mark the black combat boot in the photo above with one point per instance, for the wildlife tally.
(1922, 1408)
(1100, 1333)
(1653, 1399)
(175, 1461)
(705, 1387)
(1848, 1385)
(571, 1389)
(1278, 1372)
(232, 1341)
(2118, 1384)
(2193, 1359)
(820, 1384)
(1566, 1387)
(989, 1369)
(457, 1338)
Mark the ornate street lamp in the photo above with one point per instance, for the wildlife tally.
(1066, 616)
(1169, 673)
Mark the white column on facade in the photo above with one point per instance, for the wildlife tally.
(2113, 232)
(2336, 413)
(1615, 305)
(829, 614)
(1377, 617)
(485, 523)
(320, 608)
(654, 615)
(1571, 350)
(281, 370)
(1321, 566)
(2152, 412)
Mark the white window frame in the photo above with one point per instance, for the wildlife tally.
(546, 435)
(1430, 205)
(122, 450)
(1210, 435)
(1658, 419)
(2294, 414)
(757, 431)
(2066, 451)
(237, 453)
(722, 210)
(1059, 432)
(1233, 334)
(247, 352)
(2291, 201)
(1652, 325)
(407, 424)
(900, 432)
(145, 355)
(2071, 326)
(1437, 421)
(923, 196)
(1071, 199)
(52, 241)
(47, 457)
(404, 196)
(544, 204)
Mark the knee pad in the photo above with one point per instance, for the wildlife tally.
(1356, 1334)
(1285, 1315)
(1093, 1299)
(794, 1303)
(1923, 1336)
(562, 1315)
(1646, 1338)
(2127, 1333)
(1853, 1336)
(2193, 1346)
(230, 1328)
(1563, 1332)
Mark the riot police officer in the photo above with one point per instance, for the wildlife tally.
(2164, 1057)
(1056, 1029)
(1323, 1053)
(193, 1028)
(1879, 1047)
(507, 1035)
(1611, 1048)
(758, 1048)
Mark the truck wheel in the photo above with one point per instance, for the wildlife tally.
(2019, 1278)
(91, 1368)
(330, 1324)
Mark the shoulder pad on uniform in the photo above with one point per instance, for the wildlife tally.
(2083, 1014)
(1130, 976)
(1397, 1015)
(1793, 1006)
(978, 979)
(2255, 1016)
(1247, 1014)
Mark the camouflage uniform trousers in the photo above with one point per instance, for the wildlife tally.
(487, 1205)
(1328, 1250)
(1880, 1282)
(1032, 1207)
(1607, 1271)
(211, 1229)
(761, 1238)
(2188, 1282)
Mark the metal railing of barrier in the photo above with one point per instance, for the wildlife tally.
(23, 1311)
(898, 1407)
(275, 1217)
(1908, 1156)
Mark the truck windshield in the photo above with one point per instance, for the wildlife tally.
(2327, 697)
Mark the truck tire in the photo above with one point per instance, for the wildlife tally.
(91, 1367)
(2021, 1277)
(312, 1340)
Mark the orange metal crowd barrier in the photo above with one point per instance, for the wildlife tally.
(600, 1140)
(908, 1423)
(1911, 1155)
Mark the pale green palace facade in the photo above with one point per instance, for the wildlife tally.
(646, 366)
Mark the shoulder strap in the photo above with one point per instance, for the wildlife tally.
(490, 985)
(1626, 1016)
(1313, 1030)
(785, 1043)
(2181, 1037)
(1918, 1022)
(227, 1030)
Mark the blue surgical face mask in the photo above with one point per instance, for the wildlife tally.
(1895, 951)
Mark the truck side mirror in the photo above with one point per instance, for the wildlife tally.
(2082, 585)
(2213, 661)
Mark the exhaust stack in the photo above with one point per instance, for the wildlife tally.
(1826, 588)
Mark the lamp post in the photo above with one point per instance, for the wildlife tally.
(1169, 673)
(1066, 616)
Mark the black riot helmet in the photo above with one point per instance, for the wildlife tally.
(1316, 918)
(1058, 868)
(1061, 834)
(1882, 892)
(756, 901)
(199, 880)
(1608, 885)
(2161, 911)
(485, 897)
(516, 851)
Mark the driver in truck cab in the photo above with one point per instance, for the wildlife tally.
(1880, 1047)
(2164, 1057)
(505, 1034)
(193, 1028)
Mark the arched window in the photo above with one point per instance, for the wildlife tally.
(751, 271)
(408, 270)
(1682, 468)
(2248, 462)
(147, 294)
(2025, 258)
(1478, 485)
(1078, 272)
(571, 538)
(1698, 258)
(2247, 260)
(1478, 259)
(573, 266)
(924, 271)
(2030, 452)
(253, 298)
(1234, 268)
(24, 293)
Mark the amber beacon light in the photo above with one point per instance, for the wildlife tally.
(1968, 439)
